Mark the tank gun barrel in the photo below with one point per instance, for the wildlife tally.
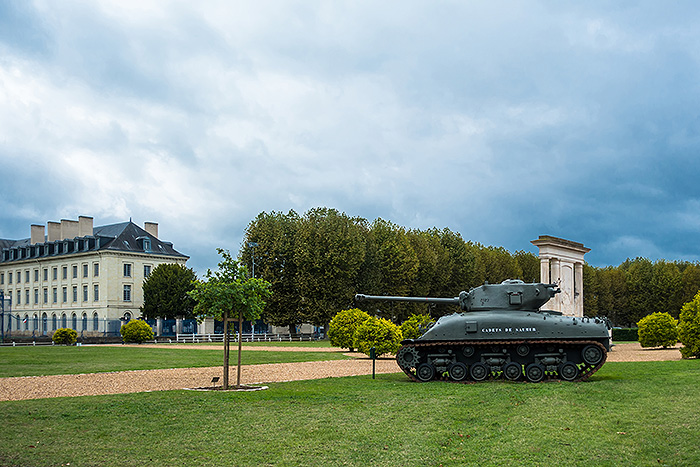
(389, 298)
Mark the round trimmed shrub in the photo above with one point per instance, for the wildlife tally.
(342, 327)
(64, 336)
(379, 333)
(689, 328)
(136, 330)
(415, 326)
(658, 329)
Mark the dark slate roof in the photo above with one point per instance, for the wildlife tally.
(125, 236)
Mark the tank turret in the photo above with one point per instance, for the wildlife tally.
(502, 333)
(508, 295)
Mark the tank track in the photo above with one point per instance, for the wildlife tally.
(422, 352)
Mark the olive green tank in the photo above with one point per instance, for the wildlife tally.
(501, 333)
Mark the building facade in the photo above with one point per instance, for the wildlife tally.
(74, 275)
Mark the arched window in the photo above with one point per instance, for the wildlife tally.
(26, 322)
(95, 322)
(64, 323)
(53, 322)
(74, 322)
(35, 322)
(84, 321)
(44, 322)
(127, 317)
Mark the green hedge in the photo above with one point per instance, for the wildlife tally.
(625, 334)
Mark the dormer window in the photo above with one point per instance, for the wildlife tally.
(145, 243)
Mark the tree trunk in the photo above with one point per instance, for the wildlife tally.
(226, 350)
(240, 331)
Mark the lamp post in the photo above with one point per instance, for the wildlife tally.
(252, 246)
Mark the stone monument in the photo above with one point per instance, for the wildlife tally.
(561, 263)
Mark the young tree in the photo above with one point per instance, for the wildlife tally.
(165, 292)
(227, 292)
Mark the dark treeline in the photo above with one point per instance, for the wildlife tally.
(639, 287)
(317, 262)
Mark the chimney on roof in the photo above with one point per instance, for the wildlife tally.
(84, 226)
(151, 228)
(37, 234)
(54, 231)
(69, 229)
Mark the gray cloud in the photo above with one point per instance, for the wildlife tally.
(502, 121)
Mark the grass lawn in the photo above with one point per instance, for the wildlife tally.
(60, 360)
(630, 414)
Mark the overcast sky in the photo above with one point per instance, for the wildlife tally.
(502, 121)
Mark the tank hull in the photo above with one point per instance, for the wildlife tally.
(529, 345)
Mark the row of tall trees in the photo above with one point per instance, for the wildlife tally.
(639, 287)
(318, 261)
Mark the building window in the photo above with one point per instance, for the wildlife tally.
(53, 322)
(64, 272)
(146, 271)
(96, 293)
(55, 295)
(96, 270)
(26, 322)
(85, 293)
(2, 278)
(85, 270)
(65, 294)
(35, 322)
(19, 297)
(127, 293)
(9, 278)
(36, 275)
(36, 296)
(55, 274)
(64, 323)
(74, 322)
(75, 293)
(44, 322)
(46, 274)
(84, 321)
(75, 271)
(95, 322)
(26, 276)
(46, 295)
(127, 270)
(19, 277)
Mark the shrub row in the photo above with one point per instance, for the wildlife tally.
(625, 334)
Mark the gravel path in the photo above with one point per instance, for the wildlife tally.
(39, 387)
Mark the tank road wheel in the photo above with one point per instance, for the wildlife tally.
(513, 371)
(522, 350)
(407, 357)
(534, 372)
(425, 372)
(592, 354)
(568, 371)
(458, 371)
(478, 371)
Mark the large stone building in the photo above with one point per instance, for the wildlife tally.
(74, 275)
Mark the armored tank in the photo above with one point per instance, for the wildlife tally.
(501, 333)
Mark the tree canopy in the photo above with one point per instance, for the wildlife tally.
(165, 292)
